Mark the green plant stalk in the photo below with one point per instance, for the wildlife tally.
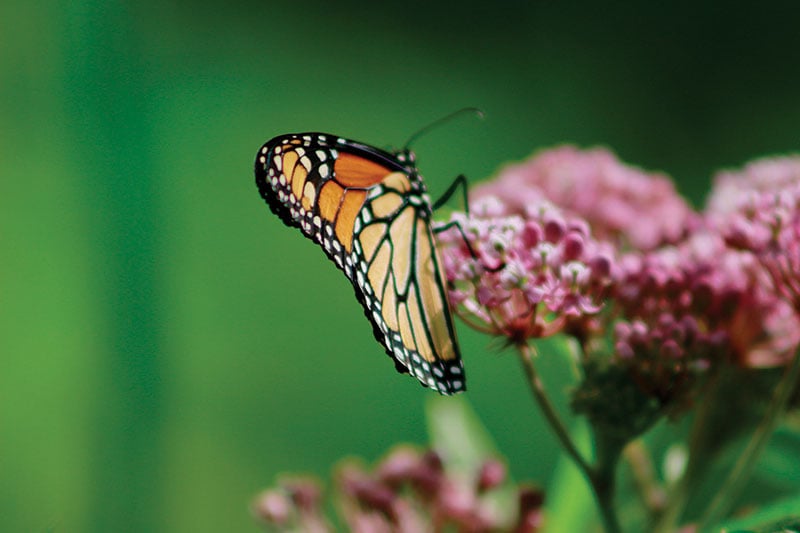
(603, 479)
(743, 468)
(600, 478)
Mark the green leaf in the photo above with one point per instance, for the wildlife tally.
(780, 463)
(774, 477)
(782, 516)
(457, 433)
(570, 505)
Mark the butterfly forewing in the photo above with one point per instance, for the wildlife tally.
(369, 212)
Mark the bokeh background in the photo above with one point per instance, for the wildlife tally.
(167, 345)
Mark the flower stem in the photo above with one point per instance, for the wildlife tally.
(537, 388)
(732, 486)
(601, 478)
(603, 485)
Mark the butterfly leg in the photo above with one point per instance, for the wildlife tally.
(460, 181)
(456, 224)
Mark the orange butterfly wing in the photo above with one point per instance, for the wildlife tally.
(369, 211)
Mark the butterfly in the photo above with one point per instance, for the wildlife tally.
(369, 211)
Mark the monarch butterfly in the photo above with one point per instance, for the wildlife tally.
(369, 211)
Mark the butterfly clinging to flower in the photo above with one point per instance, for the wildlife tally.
(369, 211)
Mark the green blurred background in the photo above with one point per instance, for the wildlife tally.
(168, 346)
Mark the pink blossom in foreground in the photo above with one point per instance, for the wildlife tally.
(621, 203)
(408, 492)
(296, 505)
(530, 275)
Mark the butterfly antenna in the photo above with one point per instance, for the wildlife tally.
(439, 122)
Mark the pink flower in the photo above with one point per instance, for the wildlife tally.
(757, 210)
(621, 203)
(673, 306)
(408, 492)
(294, 504)
(531, 274)
(721, 294)
(738, 191)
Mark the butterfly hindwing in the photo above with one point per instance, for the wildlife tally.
(369, 212)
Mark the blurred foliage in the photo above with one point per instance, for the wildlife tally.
(168, 346)
(780, 517)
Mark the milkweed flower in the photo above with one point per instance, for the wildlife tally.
(675, 307)
(294, 505)
(523, 275)
(622, 204)
(409, 491)
(740, 191)
(757, 210)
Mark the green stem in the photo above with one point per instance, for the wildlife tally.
(537, 388)
(743, 468)
(603, 484)
(600, 478)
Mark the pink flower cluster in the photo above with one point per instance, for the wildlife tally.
(408, 492)
(758, 209)
(674, 308)
(622, 204)
(526, 275)
(556, 239)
